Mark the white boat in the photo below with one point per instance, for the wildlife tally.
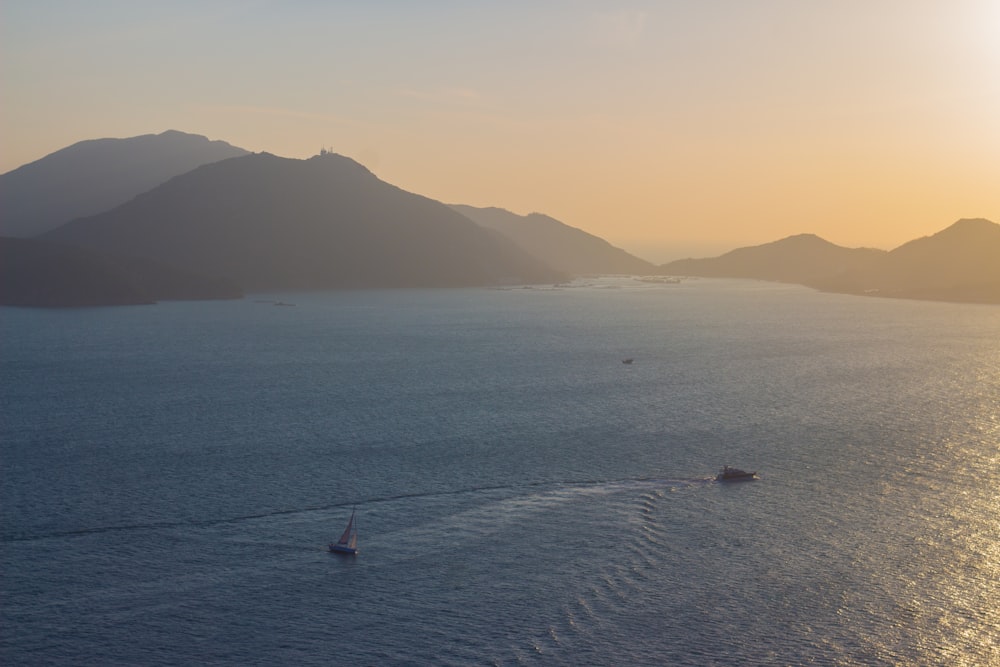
(348, 542)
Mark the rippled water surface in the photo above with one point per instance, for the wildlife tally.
(171, 475)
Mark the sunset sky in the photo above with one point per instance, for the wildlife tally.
(669, 128)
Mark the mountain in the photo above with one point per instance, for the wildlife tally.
(94, 176)
(960, 263)
(795, 259)
(560, 246)
(264, 222)
(39, 273)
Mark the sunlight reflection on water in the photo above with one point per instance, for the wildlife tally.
(523, 497)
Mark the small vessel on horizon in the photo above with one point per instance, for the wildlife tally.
(348, 542)
(730, 474)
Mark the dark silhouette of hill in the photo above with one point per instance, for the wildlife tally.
(43, 274)
(94, 176)
(960, 263)
(560, 246)
(265, 222)
(795, 259)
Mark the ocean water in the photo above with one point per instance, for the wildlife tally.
(171, 476)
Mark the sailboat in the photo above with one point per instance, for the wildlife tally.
(348, 542)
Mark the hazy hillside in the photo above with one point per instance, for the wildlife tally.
(960, 263)
(794, 259)
(220, 217)
(265, 222)
(94, 176)
(38, 273)
(558, 245)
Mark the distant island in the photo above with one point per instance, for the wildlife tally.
(960, 263)
(178, 216)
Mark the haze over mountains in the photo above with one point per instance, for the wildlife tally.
(266, 222)
(562, 247)
(960, 263)
(94, 176)
(791, 260)
(184, 217)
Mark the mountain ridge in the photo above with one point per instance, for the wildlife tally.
(790, 259)
(265, 222)
(328, 221)
(92, 176)
(559, 245)
(959, 263)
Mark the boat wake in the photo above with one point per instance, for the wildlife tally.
(525, 495)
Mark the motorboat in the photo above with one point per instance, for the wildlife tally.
(730, 474)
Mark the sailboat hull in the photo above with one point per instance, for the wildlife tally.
(343, 549)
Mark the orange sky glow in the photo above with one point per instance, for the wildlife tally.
(671, 129)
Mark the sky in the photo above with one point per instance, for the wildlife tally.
(670, 128)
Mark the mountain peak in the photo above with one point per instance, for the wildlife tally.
(958, 263)
(92, 176)
(328, 158)
(962, 234)
(264, 222)
(806, 239)
(971, 226)
(797, 258)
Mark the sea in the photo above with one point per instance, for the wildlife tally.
(173, 474)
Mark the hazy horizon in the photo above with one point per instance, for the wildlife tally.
(669, 130)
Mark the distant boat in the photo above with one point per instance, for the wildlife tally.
(348, 542)
(628, 361)
(663, 280)
(728, 474)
